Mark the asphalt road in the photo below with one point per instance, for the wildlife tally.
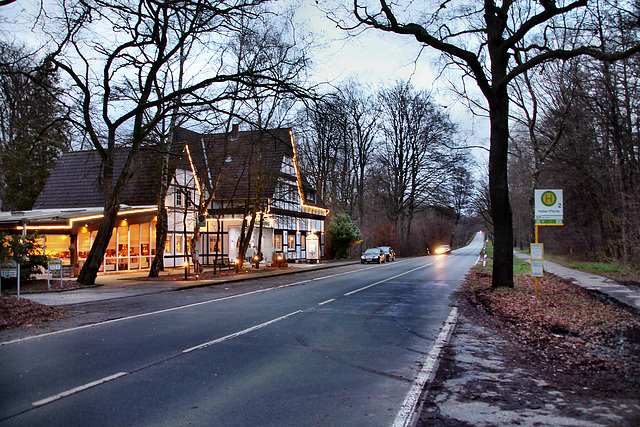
(342, 348)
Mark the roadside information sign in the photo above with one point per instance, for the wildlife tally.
(9, 269)
(537, 268)
(537, 259)
(537, 251)
(55, 264)
(548, 207)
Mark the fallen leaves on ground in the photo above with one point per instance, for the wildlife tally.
(15, 313)
(567, 331)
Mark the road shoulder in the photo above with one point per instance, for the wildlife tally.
(486, 377)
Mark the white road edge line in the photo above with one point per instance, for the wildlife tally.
(78, 389)
(409, 413)
(242, 332)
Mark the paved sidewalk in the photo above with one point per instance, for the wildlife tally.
(626, 295)
(122, 285)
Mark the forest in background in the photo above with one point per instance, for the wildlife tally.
(578, 129)
(389, 156)
(393, 160)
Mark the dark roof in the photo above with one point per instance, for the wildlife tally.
(75, 181)
(248, 163)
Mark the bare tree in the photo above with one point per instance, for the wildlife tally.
(362, 114)
(322, 146)
(543, 102)
(262, 108)
(116, 74)
(493, 43)
(415, 157)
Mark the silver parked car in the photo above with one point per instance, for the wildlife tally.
(390, 254)
(373, 255)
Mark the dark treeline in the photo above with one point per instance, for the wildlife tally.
(391, 160)
(580, 133)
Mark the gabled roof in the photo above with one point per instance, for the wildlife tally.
(76, 180)
(246, 164)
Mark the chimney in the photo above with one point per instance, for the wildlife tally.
(235, 131)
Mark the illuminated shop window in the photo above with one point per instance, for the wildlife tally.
(57, 246)
(134, 249)
(144, 239)
(84, 244)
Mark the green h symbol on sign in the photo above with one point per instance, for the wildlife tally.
(549, 198)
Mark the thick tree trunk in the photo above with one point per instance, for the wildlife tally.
(162, 229)
(261, 226)
(246, 234)
(112, 199)
(162, 225)
(91, 266)
(499, 193)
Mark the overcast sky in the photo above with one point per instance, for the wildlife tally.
(372, 58)
(377, 59)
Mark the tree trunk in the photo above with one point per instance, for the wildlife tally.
(112, 198)
(162, 229)
(499, 193)
(95, 258)
(247, 232)
(260, 240)
(196, 250)
(162, 225)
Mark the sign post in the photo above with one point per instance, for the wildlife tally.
(56, 264)
(11, 270)
(549, 211)
(537, 264)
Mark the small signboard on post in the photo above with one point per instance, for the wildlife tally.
(55, 264)
(10, 269)
(537, 259)
(537, 264)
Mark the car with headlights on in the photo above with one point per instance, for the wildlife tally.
(389, 253)
(373, 255)
(443, 249)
